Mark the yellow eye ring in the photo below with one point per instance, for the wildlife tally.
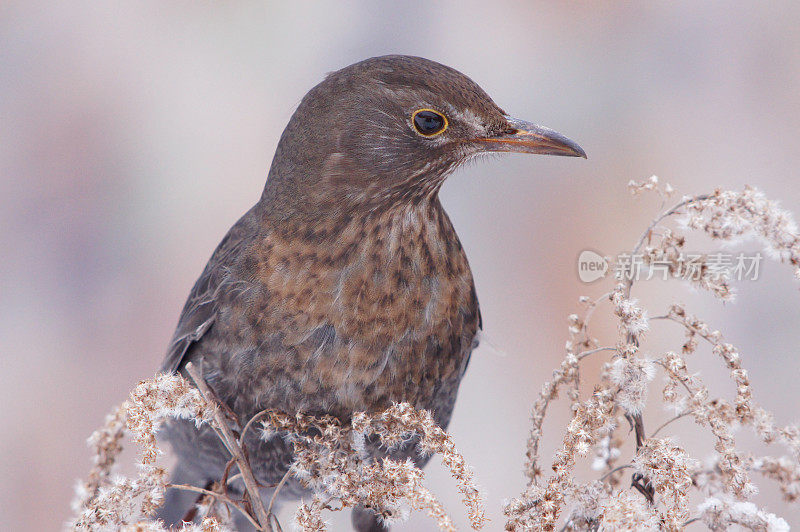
(429, 122)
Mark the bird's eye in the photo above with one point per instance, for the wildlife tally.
(428, 122)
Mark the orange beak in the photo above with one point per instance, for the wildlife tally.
(525, 137)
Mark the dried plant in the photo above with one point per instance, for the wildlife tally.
(337, 468)
(332, 461)
(106, 502)
(664, 474)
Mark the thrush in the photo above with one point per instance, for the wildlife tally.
(345, 288)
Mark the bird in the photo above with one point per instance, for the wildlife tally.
(345, 287)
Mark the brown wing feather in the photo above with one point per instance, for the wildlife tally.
(200, 311)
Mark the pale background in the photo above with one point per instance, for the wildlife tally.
(134, 133)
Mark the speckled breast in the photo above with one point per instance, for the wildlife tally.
(353, 317)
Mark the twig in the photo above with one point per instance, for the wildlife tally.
(588, 316)
(676, 418)
(235, 449)
(674, 376)
(652, 226)
(642, 484)
(220, 496)
(277, 523)
(275, 496)
(224, 482)
(250, 423)
(584, 354)
(278, 488)
(618, 468)
(637, 423)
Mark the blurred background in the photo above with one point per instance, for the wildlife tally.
(134, 133)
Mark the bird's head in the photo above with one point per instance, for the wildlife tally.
(387, 131)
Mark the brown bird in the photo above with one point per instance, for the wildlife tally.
(345, 288)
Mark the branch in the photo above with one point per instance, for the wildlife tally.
(220, 496)
(232, 444)
(652, 226)
(676, 418)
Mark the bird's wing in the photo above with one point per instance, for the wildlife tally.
(200, 310)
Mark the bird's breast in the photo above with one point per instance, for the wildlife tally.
(371, 312)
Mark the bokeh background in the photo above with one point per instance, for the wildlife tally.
(134, 133)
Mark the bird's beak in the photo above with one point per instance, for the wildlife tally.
(525, 137)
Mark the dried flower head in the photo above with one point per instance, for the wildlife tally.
(721, 513)
(336, 467)
(110, 502)
(627, 511)
(329, 459)
(632, 375)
